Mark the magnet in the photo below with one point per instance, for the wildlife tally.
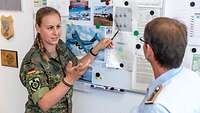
(126, 3)
(121, 65)
(194, 50)
(97, 74)
(138, 46)
(112, 88)
(136, 33)
(192, 4)
(98, 25)
(152, 12)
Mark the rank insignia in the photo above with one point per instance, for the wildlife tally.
(154, 95)
(35, 83)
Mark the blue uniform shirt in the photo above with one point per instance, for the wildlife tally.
(156, 107)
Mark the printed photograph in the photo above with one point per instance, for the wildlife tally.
(103, 15)
(80, 39)
(79, 10)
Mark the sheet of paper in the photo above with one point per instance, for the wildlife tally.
(145, 14)
(190, 16)
(123, 19)
(121, 56)
(142, 74)
(38, 4)
(194, 29)
(196, 63)
(111, 77)
(60, 5)
(153, 3)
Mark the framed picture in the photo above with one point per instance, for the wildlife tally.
(9, 58)
(11, 5)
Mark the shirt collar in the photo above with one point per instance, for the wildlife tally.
(163, 78)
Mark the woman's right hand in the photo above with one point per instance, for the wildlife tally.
(75, 72)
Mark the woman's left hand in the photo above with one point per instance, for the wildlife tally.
(104, 43)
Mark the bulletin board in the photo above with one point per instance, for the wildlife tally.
(122, 68)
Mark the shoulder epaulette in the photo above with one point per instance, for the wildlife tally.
(154, 95)
(30, 52)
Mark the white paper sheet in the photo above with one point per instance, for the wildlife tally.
(61, 5)
(196, 63)
(121, 56)
(142, 74)
(151, 3)
(194, 29)
(145, 14)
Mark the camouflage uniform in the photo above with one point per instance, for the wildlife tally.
(39, 75)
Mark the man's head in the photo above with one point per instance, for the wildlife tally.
(168, 40)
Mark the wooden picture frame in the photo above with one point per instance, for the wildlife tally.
(9, 58)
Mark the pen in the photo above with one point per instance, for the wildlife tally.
(107, 88)
(98, 86)
(114, 35)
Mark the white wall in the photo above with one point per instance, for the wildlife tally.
(12, 94)
(98, 101)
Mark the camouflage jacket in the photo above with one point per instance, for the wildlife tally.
(39, 76)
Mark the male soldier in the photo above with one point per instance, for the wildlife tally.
(175, 89)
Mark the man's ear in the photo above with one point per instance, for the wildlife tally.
(149, 52)
(37, 28)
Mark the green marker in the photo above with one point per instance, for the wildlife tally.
(98, 25)
(136, 33)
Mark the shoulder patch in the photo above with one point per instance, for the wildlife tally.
(154, 95)
(35, 83)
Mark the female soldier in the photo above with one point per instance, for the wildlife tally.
(44, 71)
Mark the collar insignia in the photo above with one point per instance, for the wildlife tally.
(154, 95)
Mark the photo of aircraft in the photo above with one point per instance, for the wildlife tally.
(77, 41)
(80, 39)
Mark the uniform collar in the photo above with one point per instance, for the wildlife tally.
(163, 78)
(38, 45)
